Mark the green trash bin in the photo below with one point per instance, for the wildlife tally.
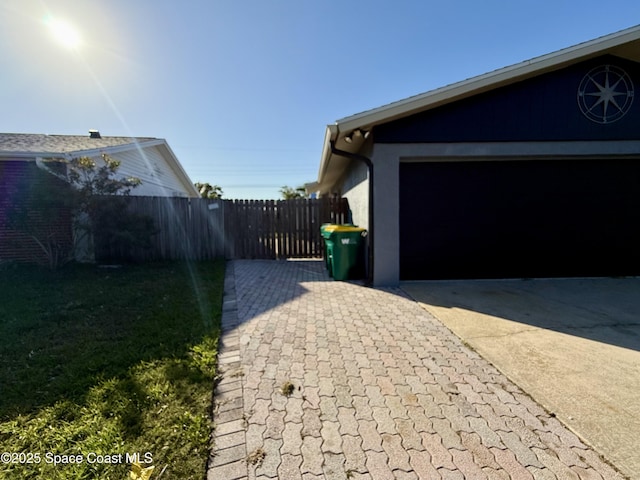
(345, 252)
(325, 230)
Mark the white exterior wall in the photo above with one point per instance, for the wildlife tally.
(150, 166)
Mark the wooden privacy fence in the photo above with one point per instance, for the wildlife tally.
(280, 228)
(202, 229)
(185, 228)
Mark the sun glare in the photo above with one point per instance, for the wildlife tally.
(65, 33)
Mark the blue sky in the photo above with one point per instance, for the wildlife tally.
(242, 89)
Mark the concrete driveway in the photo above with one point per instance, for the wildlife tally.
(572, 344)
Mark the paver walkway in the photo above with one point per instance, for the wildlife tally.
(334, 380)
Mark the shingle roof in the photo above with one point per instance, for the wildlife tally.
(40, 143)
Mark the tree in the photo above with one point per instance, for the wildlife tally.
(209, 191)
(289, 193)
(101, 217)
(94, 198)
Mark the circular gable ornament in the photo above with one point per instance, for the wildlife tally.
(605, 94)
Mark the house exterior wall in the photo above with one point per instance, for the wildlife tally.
(355, 188)
(149, 165)
(543, 108)
(386, 240)
(16, 178)
(584, 112)
(538, 118)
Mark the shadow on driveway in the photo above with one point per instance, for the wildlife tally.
(602, 309)
(573, 344)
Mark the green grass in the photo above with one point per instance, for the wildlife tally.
(108, 362)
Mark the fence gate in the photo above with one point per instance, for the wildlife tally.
(277, 229)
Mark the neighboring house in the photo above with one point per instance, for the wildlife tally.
(149, 159)
(532, 170)
(21, 155)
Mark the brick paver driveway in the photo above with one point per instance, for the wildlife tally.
(334, 380)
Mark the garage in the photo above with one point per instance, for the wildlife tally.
(532, 170)
(522, 218)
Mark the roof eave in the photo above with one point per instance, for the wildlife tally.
(330, 134)
(491, 80)
(180, 171)
(466, 88)
(30, 155)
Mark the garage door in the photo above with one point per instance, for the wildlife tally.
(519, 219)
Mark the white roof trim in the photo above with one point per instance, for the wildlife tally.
(117, 148)
(492, 79)
(179, 170)
(467, 88)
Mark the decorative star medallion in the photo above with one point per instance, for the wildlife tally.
(605, 94)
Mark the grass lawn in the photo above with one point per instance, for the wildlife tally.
(106, 363)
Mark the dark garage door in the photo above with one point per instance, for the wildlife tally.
(519, 219)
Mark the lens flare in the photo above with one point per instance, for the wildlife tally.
(65, 33)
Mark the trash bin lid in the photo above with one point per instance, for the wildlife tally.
(347, 228)
(328, 227)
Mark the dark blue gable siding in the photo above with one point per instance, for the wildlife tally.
(544, 108)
